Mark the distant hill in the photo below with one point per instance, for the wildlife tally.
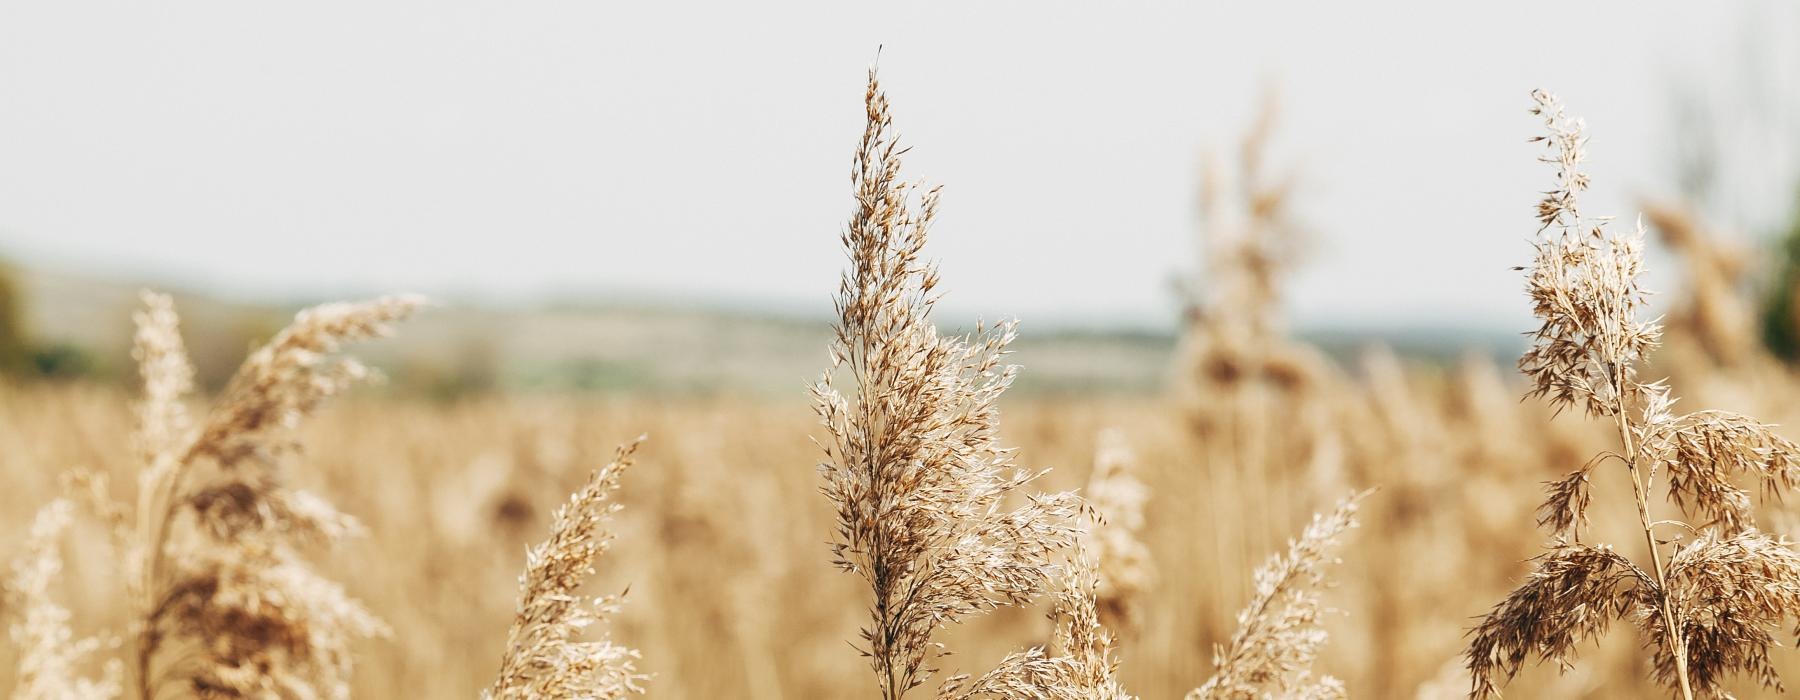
(628, 347)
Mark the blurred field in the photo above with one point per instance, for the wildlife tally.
(1240, 429)
(629, 347)
(721, 542)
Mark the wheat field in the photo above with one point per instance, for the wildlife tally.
(207, 534)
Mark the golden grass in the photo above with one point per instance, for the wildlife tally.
(545, 655)
(722, 538)
(913, 463)
(1714, 594)
(727, 547)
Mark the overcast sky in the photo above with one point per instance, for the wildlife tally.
(520, 149)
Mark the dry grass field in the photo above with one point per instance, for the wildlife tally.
(722, 539)
(722, 547)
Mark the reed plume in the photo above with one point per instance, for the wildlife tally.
(1258, 401)
(1079, 665)
(49, 654)
(1235, 340)
(542, 659)
(226, 604)
(1716, 313)
(1115, 498)
(1279, 633)
(912, 467)
(1707, 607)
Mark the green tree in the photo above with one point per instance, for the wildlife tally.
(1781, 328)
(15, 343)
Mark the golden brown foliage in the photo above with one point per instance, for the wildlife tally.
(542, 659)
(1280, 632)
(1116, 498)
(228, 606)
(1709, 610)
(728, 596)
(1714, 315)
(913, 467)
(1080, 664)
(50, 655)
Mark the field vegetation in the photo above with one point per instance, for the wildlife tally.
(1267, 520)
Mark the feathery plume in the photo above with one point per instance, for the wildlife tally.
(1115, 499)
(49, 655)
(1706, 608)
(1083, 666)
(913, 466)
(1576, 591)
(227, 606)
(1583, 286)
(1731, 595)
(1279, 634)
(1715, 314)
(542, 659)
(163, 423)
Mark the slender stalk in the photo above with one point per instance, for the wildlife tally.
(915, 471)
(205, 592)
(872, 429)
(1640, 487)
(155, 551)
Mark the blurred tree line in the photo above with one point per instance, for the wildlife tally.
(23, 356)
(1733, 137)
(1781, 303)
(217, 342)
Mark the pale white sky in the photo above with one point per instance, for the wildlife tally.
(514, 149)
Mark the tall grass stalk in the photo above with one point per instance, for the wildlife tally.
(913, 467)
(1715, 590)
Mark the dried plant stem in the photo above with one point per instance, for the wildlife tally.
(544, 655)
(1280, 632)
(1714, 605)
(225, 603)
(151, 505)
(49, 654)
(893, 687)
(1641, 483)
(914, 468)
